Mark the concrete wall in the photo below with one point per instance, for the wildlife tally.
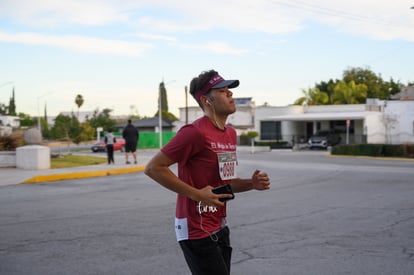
(35, 157)
(7, 159)
(374, 128)
(399, 121)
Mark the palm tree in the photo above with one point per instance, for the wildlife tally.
(349, 93)
(79, 102)
(313, 96)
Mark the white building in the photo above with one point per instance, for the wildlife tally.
(12, 121)
(242, 120)
(396, 122)
(377, 121)
(7, 123)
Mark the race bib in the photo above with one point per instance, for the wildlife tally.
(227, 165)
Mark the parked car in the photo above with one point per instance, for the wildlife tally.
(99, 146)
(324, 138)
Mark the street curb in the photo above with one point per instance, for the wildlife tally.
(86, 174)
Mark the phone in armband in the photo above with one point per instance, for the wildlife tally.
(224, 189)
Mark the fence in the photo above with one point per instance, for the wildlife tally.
(151, 140)
(291, 140)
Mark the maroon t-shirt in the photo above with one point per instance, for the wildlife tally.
(205, 156)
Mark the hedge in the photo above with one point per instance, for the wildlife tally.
(375, 150)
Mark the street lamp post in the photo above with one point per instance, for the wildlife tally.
(160, 116)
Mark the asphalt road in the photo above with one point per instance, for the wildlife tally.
(323, 215)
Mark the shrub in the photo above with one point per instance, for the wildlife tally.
(409, 150)
(11, 142)
(374, 150)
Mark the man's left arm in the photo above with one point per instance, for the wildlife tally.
(258, 181)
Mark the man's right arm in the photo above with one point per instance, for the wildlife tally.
(158, 169)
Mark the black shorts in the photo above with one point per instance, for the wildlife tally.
(211, 255)
(130, 147)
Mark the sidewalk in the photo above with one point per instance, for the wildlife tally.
(11, 176)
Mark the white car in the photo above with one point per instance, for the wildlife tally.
(324, 138)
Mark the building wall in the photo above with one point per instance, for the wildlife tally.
(194, 112)
(242, 119)
(374, 128)
(334, 108)
(262, 113)
(12, 121)
(398, 121)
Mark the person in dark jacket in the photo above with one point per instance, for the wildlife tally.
(131, 136)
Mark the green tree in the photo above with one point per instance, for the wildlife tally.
(162, 97)
(75, 130)
(376, 87)
(79, 102)
(66, 128)
(60, 129)
(327, 87)
(349, 93)
(87, 132)
(25, 120)
(45, 128)
(12, 105)
(102, 119)
(393, 87)
(163, 94)
(313, 96)
(169, 116)
(45, 125)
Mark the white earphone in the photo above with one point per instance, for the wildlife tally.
(208, 102)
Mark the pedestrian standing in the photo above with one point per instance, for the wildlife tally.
(205, 152)
(109, 144)
(131, 136)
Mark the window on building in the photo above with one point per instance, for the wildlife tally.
(340, 126)
(318, 125)
(270, 130)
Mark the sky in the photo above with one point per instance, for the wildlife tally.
(115, 53)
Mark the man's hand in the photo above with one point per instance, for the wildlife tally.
(208, 198)
(260, 181)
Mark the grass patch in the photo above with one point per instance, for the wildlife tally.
(67, 161)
